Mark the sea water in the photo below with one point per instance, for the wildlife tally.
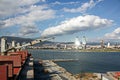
(100, 62)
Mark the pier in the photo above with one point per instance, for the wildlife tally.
(64, 60)
(48, 70)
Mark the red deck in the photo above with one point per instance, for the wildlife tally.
(3, 72)
(10, 67)
(12, 64)
(15, 58)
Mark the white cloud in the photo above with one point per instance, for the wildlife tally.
(14, 7)
(22, 12)
(25, 14)
(35, 13)
(2, 24)
(80, 23)
(83, 7)
(65, 3)
(113, 35)
(56, 3)
(27, 2)
(28, 30)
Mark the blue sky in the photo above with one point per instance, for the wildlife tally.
(64, 19)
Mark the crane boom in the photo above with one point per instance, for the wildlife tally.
(29, 44)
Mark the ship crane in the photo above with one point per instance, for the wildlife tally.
(28, 44)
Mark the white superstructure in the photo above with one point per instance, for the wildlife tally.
(77, 43)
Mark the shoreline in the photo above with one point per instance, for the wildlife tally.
(84, 50)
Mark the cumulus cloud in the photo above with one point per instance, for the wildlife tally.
(14, 7)
(65, 3)
(113, 35)
(24, 14)
(36, 14)
(27, 30)
(80, 23)
(2, 24)
(83, 7)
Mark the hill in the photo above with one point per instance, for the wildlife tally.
(21, 40)
(17, 39)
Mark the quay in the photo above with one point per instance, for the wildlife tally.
(48, 70)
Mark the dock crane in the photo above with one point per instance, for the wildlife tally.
(28, 44)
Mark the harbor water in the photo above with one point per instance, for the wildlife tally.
(100, 62)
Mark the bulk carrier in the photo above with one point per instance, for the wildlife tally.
(17, 64)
